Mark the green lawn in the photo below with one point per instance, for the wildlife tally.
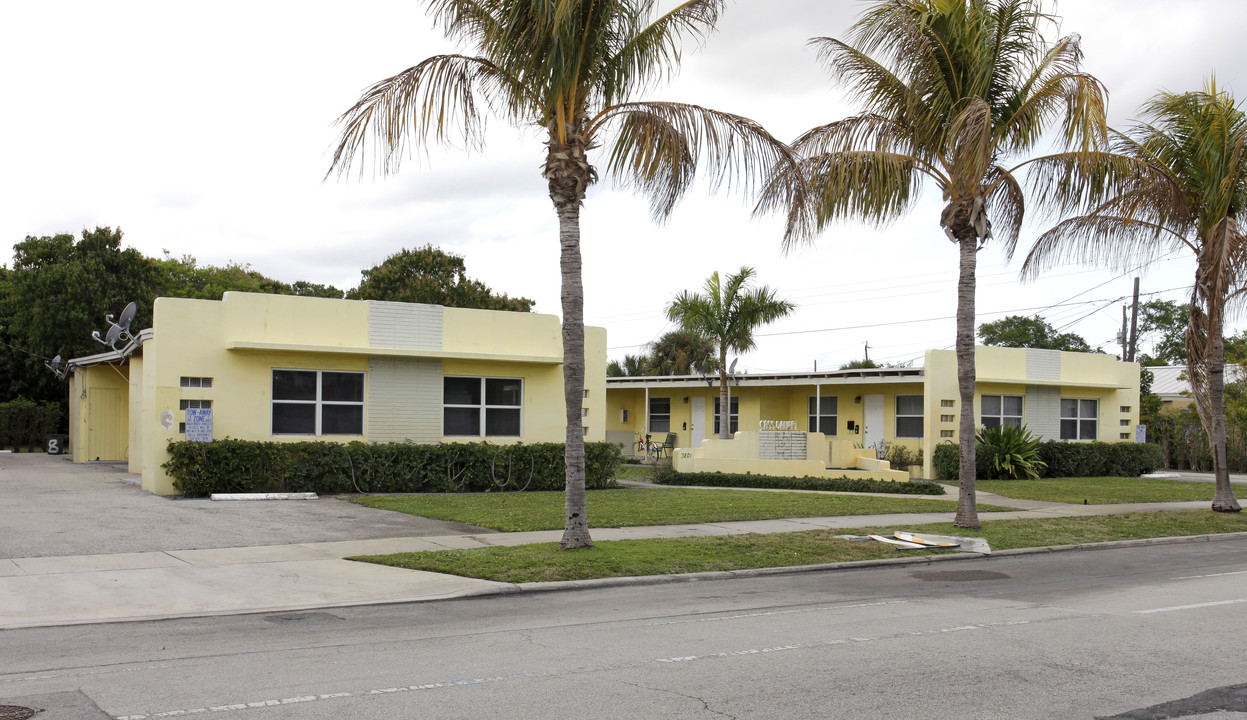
(514, 512)
(545, 562)
(1099, 490)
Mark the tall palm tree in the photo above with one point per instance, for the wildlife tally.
(954, 91)
(727, 313)
(1176, 181)
(571, 68)
(681, 352)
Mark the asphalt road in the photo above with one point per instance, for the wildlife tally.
(1147, 632)
(50, 507)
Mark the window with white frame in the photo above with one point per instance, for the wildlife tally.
(318, 402)
(482, 407)
(823, 414)
(660, 414)
(1079, 419)
(733, 414)
(909, 416)
(998, 410)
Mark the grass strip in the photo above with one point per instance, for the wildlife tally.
(630, 507)
(1099, 490)
(627, 558)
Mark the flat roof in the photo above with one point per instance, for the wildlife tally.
(827, 377)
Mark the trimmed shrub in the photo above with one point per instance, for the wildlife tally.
(231, 466)
(1063, 459)
(23, 423)
(667, 476)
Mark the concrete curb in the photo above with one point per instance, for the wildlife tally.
(264, 496)
(861, 564)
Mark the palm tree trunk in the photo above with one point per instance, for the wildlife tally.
(1223, 499)
(568, 174)
(967, 507)
(725, 407)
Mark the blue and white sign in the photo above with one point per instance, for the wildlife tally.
(199, 425)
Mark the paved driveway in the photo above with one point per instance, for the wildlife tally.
(51, 507)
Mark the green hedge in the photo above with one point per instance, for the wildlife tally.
(667, 476)
(1064, 459)
(232, 466)
(23, 423)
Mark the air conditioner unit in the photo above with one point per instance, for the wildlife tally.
(623, 416)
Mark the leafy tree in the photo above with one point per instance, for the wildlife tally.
(184, 277)
(1017, 331)
(572, 68)
(1164, 322)
(430, 275)
(868, 364)
(1177, 180)
(728, 313)
(304, 288)
(953, 91)
(682, 352)
(59, 290)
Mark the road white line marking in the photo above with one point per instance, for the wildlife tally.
(770, 613)
(1191, 607)
(1192, 577)
(837, 641)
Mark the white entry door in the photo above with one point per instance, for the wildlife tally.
(872, 431)
(697, 421)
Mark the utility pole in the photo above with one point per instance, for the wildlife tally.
(1123, 338)
(867, 350)
(1134, 323)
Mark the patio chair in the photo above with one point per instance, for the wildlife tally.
(667, 446)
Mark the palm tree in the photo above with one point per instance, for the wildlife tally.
(632, 366)
(681, 352)
(727, 313)
(1177, 181)
(954, 91)
(571, 68)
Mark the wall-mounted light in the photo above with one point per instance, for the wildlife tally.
(858, 400)
(686, 399)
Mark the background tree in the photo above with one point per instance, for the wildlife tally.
(1164, 323)
(728, 312)
(573, 69)
(631, 366)
(59, 290)
(1017, 331)
(185, 277)
(430, 275)
(952, 90)
(682, 352)
(1176, 181)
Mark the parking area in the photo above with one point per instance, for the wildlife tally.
(51, 507)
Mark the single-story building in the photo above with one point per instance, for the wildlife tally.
(286, 368)
(1057, 395)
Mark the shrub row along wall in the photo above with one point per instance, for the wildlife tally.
(233, 466)
(1064, 459)
(667, 476)
(23, 423)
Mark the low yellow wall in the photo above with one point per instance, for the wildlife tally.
(741, 455)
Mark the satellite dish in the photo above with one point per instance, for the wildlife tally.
(731, 370)
(114, 334)
(127, 317)
(55, 366)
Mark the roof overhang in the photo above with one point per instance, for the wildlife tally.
(247, 346)
(112, 356)
(873, 376)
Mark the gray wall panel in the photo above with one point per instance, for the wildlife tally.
(408, 326)
(404, 400)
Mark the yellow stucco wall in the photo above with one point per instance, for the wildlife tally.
(240, 340)
(99, 413)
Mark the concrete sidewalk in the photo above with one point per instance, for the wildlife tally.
(82, 589)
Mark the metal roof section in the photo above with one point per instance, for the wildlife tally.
(241, 345)
(830, 377)
(113, 356)
(1171, 384)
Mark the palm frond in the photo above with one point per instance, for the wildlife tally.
(867, 80)
(653, 51)
(1114, 242)
(872, 186)
(1007, 204)
(436, 98)
(659, 148)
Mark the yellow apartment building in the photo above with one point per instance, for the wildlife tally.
(1057, 395)
(285, 368)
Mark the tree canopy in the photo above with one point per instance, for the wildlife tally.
(431, 275)
(1019, 331)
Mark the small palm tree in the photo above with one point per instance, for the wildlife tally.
(954, 91)
(571, 68)
(727, 313)
(1175, 182)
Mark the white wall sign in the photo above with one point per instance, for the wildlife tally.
(166, 419)
(199, 425)
(777, 425)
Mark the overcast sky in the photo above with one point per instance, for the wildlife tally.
(207, 130)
